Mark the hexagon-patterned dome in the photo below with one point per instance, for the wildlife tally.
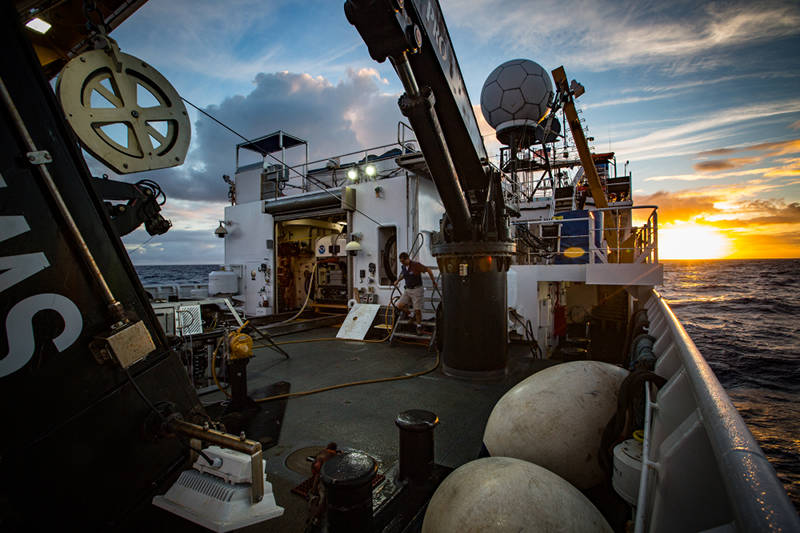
(517, 90)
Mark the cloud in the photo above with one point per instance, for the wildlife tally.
(603, 35)
(334, 118)
(795, 125)
(204, 41)
(704, 128)
(771, 149)
(677, 206)
(713, 168)
(177, 246)
(755, 228)
(762, 212)
(725, 164)
(722, 207)
(630, 100)
(697, 81)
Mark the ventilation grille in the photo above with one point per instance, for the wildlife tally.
(206, 485)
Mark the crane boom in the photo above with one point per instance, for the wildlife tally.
(474, 248)
(590, 170)
(413, 35)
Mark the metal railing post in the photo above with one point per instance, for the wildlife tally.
(655, 235)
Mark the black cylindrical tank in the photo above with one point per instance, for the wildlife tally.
(474, 326)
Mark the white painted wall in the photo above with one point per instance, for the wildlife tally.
(246, 245)
(430, 211)
(248, 185)
(387, 208)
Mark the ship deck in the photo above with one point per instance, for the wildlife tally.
(362, 417)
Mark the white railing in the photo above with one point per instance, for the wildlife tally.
(703, 470)
(332, 171)
(645, 237)
(177, 291)
(635, 244)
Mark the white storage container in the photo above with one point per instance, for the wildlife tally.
(222, 282)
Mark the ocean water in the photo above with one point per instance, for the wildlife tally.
(743, 317)
(174, 274)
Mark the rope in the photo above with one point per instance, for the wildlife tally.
(353, 383)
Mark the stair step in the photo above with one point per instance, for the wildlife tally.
(430, 323)
(404, 335)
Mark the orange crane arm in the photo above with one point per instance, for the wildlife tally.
(589, 169)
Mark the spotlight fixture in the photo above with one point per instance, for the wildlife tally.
(370, 170)
(352, 174)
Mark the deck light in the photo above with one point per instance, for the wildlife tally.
(221, 231)
(370, 170)
(352, 174)
(38, 25)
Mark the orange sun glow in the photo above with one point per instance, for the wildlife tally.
(686, 240)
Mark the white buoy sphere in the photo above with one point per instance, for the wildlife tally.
(518, 90)
(501, 494)
(555, 419)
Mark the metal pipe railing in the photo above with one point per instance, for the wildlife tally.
(301, 169)
(645, 240)
(756, 496)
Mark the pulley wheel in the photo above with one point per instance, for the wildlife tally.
(124, 112)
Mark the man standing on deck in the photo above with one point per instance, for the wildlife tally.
(411, 271)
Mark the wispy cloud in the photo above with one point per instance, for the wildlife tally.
(770, 149)
(725, 164)
(723, 207)
(715, 176)
(756, 212)
(703, 128)
(759, 152)
(235, 42)
(707, 82)
(630, 100)
(602, 35)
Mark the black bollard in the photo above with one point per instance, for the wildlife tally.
(416, 445)
(348, 486)
(237, 377)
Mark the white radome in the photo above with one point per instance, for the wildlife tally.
(517, 91)
(555, 419)
(501, 494)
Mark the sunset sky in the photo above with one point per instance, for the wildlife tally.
(703, 99)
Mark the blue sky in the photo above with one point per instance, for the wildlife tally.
(702, 98)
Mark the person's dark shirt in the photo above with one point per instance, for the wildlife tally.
(412, 274)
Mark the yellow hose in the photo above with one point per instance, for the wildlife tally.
(308, 296)
(332, 387)
(352, 384)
